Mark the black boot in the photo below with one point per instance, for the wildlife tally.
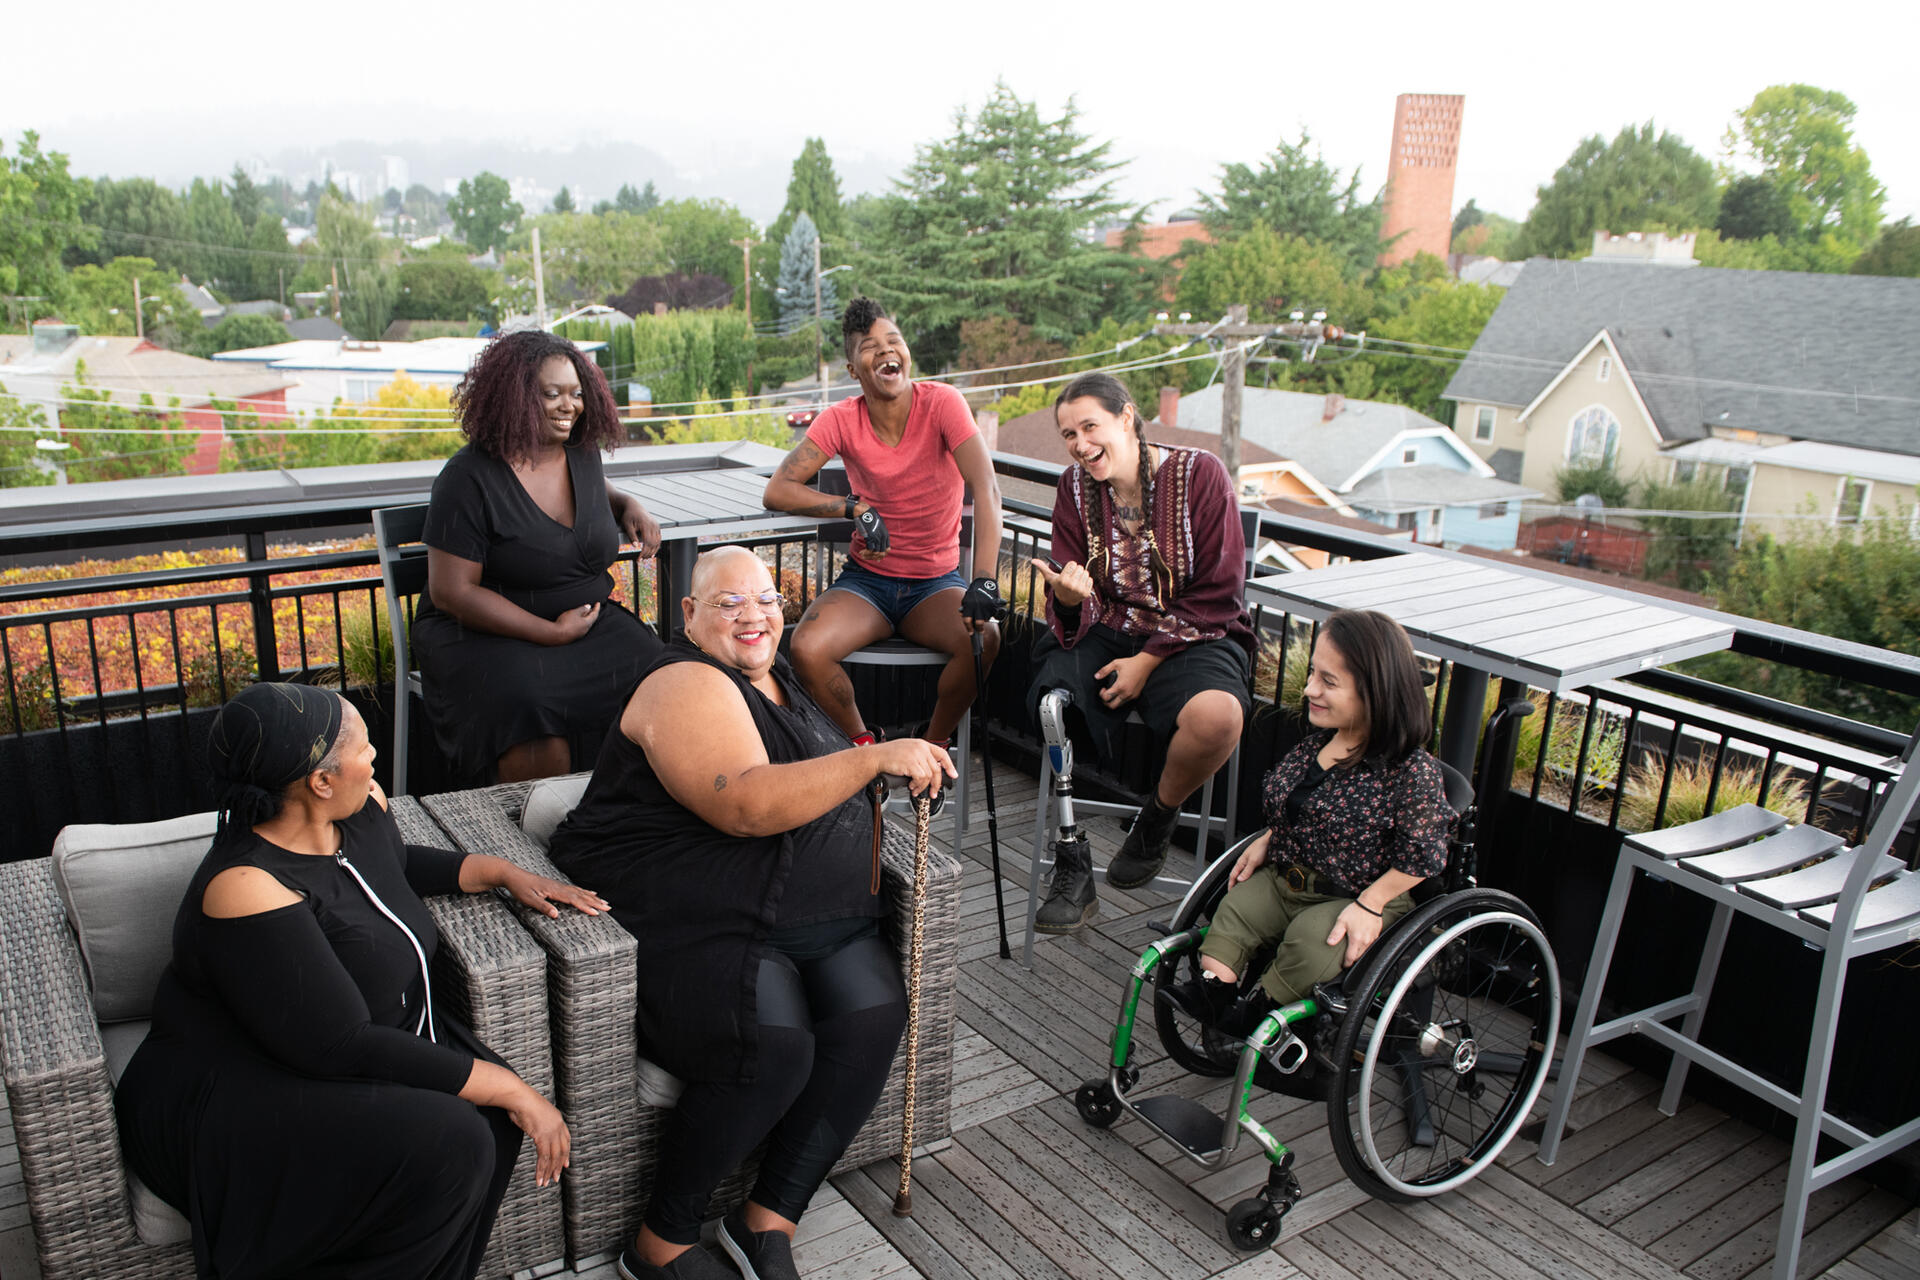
(1070, 902)
(1145, 848)
(1205, 999)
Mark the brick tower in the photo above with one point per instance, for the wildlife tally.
(1426, 145)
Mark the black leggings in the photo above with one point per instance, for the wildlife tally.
(828, 1029)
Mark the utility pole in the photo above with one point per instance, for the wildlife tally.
(335, 269)
(539, 282)
(819, 364)
(1310, 334)
(139, 315)
(746, 274)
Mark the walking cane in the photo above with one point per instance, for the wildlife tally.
(922, 820)
(986, 767)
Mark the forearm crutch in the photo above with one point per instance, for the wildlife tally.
(922, 820)
(979, 713)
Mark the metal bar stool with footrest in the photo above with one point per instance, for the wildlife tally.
(403, 573)
(1845, 902)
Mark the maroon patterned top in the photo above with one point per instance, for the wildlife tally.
(1361, 821)
(1192, 590)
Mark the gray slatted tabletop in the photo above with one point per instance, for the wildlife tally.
(1492, 621)
(691, 505)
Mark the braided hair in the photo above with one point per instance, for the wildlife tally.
(1113, 396)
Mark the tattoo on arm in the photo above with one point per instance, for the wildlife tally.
(802, 462)
(719, 782)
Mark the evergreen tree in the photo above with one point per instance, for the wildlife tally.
(244, 197)
(796, 278)
(1295, 192)
(563, 201)
(998, 218)
(1638, 182)
(1753, 207)
(627, 200)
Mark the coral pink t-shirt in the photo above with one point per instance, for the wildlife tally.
(914, 485)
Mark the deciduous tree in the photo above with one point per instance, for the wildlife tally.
(1752, 207)
(1802, 139)
(1895, 253)
(484, 211)
(39, 218)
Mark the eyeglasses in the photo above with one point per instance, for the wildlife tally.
(731, 607)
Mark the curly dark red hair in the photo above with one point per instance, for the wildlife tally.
(499, 400)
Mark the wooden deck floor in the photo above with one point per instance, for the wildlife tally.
(1027, 1190)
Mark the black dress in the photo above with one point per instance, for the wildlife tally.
(704, 903)
(486, 693)
(289, 1099)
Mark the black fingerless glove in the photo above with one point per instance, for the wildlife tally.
(982, 603)
(873, 529)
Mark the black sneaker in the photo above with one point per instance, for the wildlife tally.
(760, 1255)
(695, 1264)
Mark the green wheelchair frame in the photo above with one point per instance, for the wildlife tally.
(1439, 1043)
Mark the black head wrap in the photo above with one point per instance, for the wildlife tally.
(268, 737)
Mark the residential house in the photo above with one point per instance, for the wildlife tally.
(1795, 391)
(1383, 462)
(41, 367)
(323, 372)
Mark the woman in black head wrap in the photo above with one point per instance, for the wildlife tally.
(300, 1098)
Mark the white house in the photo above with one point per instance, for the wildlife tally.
(354, 371)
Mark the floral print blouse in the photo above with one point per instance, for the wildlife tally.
(1362, 821)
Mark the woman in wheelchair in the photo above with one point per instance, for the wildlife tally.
(1356, 817)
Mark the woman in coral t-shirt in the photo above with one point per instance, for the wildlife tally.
(909, 448)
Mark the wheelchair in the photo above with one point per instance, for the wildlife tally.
(1433, 1048)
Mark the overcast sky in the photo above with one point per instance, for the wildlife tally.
(1179, 89)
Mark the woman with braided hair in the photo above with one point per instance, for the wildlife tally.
(1146, 612)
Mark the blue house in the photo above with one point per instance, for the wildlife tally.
(1390, 464)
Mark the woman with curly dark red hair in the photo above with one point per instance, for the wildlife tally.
(525, 657)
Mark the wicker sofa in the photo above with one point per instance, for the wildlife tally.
(591, 969)
(67, 967)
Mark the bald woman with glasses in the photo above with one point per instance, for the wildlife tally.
(729, 825)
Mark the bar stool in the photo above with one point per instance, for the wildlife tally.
(1202, 820)
(1844, 902)
(895, 652)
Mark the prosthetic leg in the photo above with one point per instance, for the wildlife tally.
(1070, 901)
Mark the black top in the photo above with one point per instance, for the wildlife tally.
(1359, 820)
(703, 902)
(481, 512)
(327, 986)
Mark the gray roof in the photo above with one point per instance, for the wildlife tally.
(1290, 423)
(1814, 357)
(323, 328)
(1416, 488)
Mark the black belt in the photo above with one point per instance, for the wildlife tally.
(1306, 880)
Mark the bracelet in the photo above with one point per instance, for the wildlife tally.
(1369, 910)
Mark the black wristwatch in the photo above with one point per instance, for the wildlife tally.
(852, 502)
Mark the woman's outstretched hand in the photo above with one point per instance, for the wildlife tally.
(542, 893)
(1251, 859)
(1070, 585)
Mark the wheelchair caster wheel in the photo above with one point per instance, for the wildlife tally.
(1253, 1224)
(1097, 1104)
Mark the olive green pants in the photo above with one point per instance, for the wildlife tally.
(1264, 909)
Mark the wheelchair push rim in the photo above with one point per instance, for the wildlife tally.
(1462, 1038)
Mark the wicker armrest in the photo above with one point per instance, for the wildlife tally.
(590, 1002)
(490, 974)
(61, 1099)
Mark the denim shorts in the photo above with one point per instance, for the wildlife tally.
(895, 598)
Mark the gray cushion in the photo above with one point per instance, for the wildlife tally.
(154, 1220)
(121, 885)
(549, 801)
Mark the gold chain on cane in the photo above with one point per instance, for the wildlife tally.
(903, 1201)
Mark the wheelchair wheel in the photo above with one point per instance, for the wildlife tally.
(1196, 1048)
(1446, 1046)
